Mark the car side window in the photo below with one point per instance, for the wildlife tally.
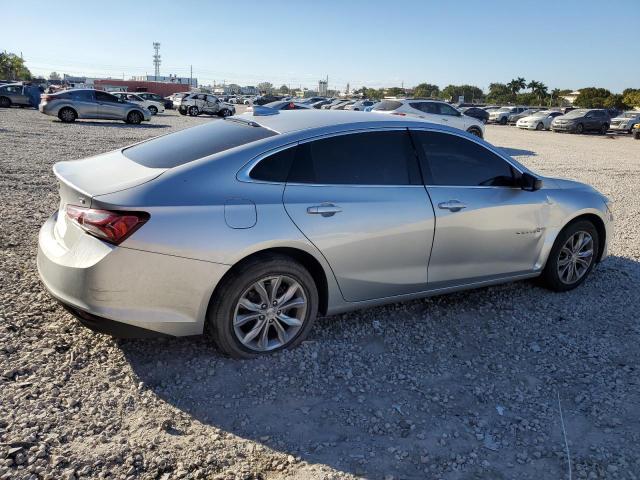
(80, 95)
(274, 168)
(450, 160)
(447, 110)
(105, 97)
(371, 158)
(426, 107)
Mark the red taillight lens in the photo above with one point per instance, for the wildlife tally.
(46, 98)
(112, 227)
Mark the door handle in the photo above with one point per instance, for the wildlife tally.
(325, 209)
(452, 205)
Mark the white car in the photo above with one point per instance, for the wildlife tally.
(625, 122)
(151, 105)
(432, 111)
(538, 120)
(501, 115)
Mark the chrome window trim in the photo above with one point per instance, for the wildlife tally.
(243, 174)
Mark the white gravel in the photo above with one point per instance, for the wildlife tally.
(462, 386)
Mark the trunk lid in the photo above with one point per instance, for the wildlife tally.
(81, 180)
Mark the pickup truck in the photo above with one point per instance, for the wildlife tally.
(196, 103)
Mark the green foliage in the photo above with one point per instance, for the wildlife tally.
(395, 92)
(265, 87)
(500, 93)
(592, 97)
(631, 97)
(12, 67)
(471, 93)
(426, 90)
(517, 84)
(54, 76)
(284, 90)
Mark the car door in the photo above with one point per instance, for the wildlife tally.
(359, 199)
(452, 117)
(84, 103)
(428, 110)
(108, 106)
(211, 104)
(486, 225)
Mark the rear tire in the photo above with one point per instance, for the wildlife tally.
(580, 128)
(540, 126)
(67, 115)
(5, 102)
(475, 131)
(193, 111)
(604, 129)
(221, 324)
(562, 253)
(503, 121)
(134, 118)
(225, 113)
(636, 135)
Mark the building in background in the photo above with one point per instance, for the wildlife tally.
(170, 79)
(161, 88)
(323, 87)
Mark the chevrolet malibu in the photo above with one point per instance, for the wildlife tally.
(246, 228)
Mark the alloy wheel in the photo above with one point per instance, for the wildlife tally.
(575, 257)
(270, 313)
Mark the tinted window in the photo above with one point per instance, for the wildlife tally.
(388, 105)
(426, 107)
(375, 158)
(193, 143)
(105, 97)
(456, 161)
(80, 95)
(447, 109)
(274, 168)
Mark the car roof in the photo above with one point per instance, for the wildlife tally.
(291, 121)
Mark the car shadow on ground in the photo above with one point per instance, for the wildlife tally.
(517, 152)
(391, 389)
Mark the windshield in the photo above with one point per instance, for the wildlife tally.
(576, 113)
(504, 109)
(630, 115)
(387, 105)
(193, 143)
(543, 113)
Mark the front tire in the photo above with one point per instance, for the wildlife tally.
(267, 305)
(193, 111)
(572, 257)
(225, 113)
(5, 102)
(604, 129)
(540, 126)
(579, 128)
(153, 110)
(134, 118)
(503, 121)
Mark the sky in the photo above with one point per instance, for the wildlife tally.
(563, 43)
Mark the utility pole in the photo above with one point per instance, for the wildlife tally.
(156, 59)
(190, 76)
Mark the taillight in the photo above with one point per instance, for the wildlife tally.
(47, 98)
(110, 226)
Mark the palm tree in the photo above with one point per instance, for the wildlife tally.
(555, 93)
(539, 89)
(517, 84)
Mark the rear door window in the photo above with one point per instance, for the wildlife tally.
(274, 168)
(450, 160)
(105, 97)
(387, 105)
(193, 143)
(371, 158)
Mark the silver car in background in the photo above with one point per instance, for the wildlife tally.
(70, 105)
(539, 120)
(247, 228)
(625, 122)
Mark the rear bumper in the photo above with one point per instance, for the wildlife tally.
(150, 291)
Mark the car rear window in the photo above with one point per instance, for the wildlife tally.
(193, 143)
(388, 105)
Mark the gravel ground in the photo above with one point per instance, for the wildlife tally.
(463, 386)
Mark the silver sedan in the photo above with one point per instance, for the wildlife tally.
(247, 228)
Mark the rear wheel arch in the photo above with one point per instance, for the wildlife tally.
(308, 261)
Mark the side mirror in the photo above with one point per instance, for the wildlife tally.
(530, 183)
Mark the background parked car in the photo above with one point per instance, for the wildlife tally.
(501, 115)
(70, 105)
(625, 122)
(342, 105)
(360, 105)
(320, 103)
(176, 98)
(19, 94)
(196, 103)
(154, 97)
(539, 120)
(582, 120)
(433, 111)
(476, 112)
(636, 131)
(283, 105)
(264, 99)
(153, 107)
(333, 103)
(514, 117)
